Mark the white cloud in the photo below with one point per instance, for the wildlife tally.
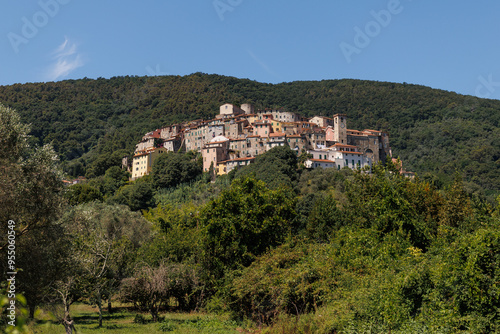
(67, 59)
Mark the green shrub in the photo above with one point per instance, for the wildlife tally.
(167, 326)
(139, 319)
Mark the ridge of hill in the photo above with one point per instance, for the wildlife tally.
(436, 133)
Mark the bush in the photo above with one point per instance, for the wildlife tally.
(139, 319)
(167, 326)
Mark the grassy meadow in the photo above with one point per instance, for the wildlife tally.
(123, 321)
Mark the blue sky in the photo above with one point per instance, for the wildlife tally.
(450, 45)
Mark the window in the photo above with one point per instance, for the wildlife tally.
(353, 162)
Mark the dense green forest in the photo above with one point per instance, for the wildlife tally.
(93, 123)
(274, 246)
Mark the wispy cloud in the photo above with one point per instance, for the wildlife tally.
(67, 59)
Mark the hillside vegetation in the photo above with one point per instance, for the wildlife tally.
(271, 246)
(93, 123)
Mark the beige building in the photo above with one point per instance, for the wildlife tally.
(142, 162)
(262, 129)
(276, 139)
(342, 155)
(322, 121)
(228, 110)
(214, 152)
(279, 115)
(297, 143)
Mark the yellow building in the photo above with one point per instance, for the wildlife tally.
(142, 163)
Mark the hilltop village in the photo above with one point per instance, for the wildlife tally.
(238, 134)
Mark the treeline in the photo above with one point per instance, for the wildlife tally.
(293, 250)
(92, 124)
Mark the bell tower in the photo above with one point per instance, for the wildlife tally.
(340, 128)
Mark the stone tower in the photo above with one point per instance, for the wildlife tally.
(340, 128)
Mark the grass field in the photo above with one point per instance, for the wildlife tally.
(121, 321)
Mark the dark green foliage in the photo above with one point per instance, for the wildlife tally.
(177, 237)
(82, 193)
(137, 196)
(114, 178)
(466, 275)
(196, 193)
(244, 222)
(276, 167)
(387, 201)
(104, 162)
(172, 169)
(324, 218)
(288, 280)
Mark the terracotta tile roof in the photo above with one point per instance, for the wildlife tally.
(342, 145)
(277, 134)
(322, 160)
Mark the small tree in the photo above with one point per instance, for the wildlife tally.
(151, 288)
(31, 191)
(105, 238)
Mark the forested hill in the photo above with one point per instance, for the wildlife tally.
(435, 132)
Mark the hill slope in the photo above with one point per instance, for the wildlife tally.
(435, 132)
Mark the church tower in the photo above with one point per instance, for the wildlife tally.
(340, 128)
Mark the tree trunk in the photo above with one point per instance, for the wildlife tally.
(32, 311)
(110, 288)
(68, 326)
(99, 304)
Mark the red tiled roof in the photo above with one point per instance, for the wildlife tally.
(321, 160)
(277, 134)
(342, 145)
